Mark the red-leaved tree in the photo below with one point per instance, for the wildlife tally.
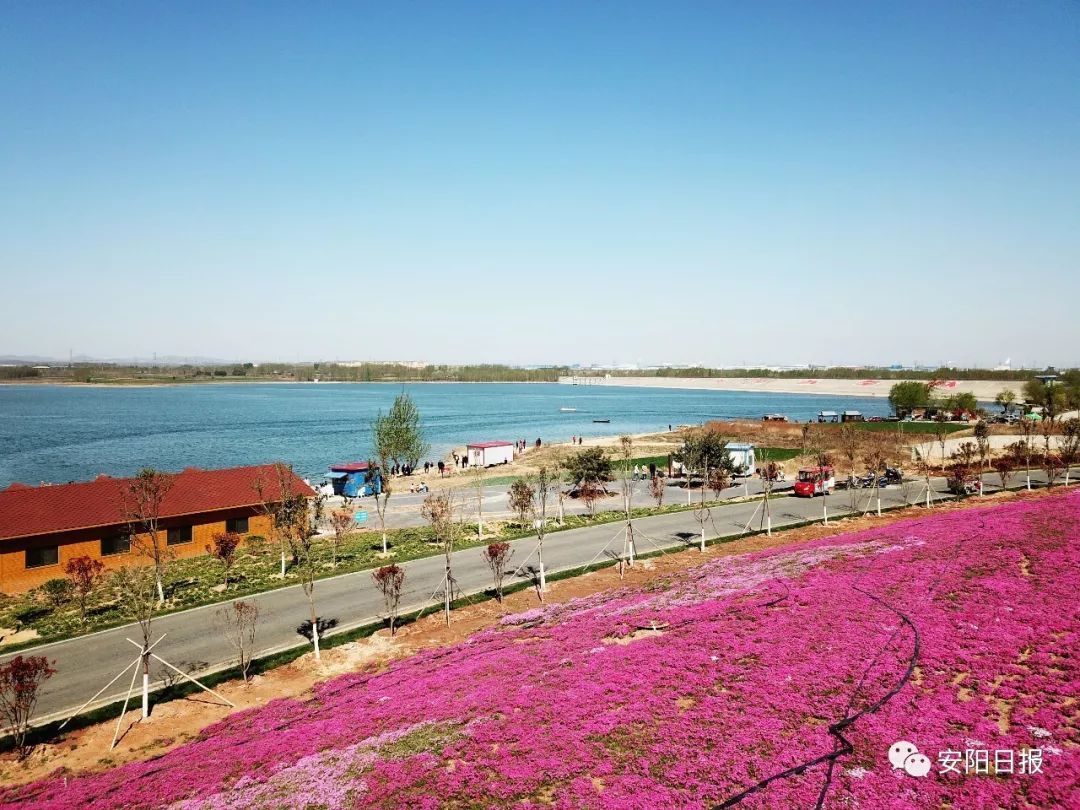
(85, 574)
(20, 683)
(390, 580)
(497, 555)
(224, 548)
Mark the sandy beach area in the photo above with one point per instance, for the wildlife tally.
(984, 390)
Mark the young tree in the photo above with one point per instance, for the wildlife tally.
(770, 471)
(438, 510)
(941, 435)
(541, 488)
(963, 459)
(590, 493)
(301, 534)
(925, 465)
(1070, 445)
(982, 439)
(390, 581)
(1027, 431)
(20, 684)
(520, 496)
(407, 442)
(275, 501)
(57, 591)
(223, 547)
(877, 452)
(851, 449)
(589, 466)
(143, 498)
(497, 555)
(238, 622)
(657, 485)
(705, 452)
(558, 478)
(85, 574)
(627, 484)
(1004, 467)
(1050, 460)
(1006, 398)
(341, 521)
(478, 485)
(135, 589)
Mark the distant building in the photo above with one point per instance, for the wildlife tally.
(44, 527)
(488, 454)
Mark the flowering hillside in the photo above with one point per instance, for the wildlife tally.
(958, 630)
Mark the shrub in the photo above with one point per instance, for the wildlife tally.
(58, 591)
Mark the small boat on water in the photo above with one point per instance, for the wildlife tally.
(601, 421)
(568, 410)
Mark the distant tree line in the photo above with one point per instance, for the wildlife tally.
(298, 372)
(835, 373)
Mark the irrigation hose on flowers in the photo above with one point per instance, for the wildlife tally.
(836, 729)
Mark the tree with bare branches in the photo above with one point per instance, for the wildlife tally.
(85, 574)
(520, 497)
(341, 521)
(497, 555)
(305, 516)
(134, 585)
(238, 622)
(982, 439)
(390, 582)
(143, 499)
(558, 479)
(1051, 462)
(590, 493)
(657, 486)
(1028, 429)
(1070, 445)
(851, 450)
(541, 488)
(274, 494)
(223, 547)
(439, 511)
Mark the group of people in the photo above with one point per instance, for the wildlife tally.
(418, 488)
(641, 472)
(575, 440)
(520, 446)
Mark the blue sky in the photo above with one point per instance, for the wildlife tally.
(703, 182)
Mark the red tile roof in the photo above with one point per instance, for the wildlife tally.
(489, 444)
(28, 511)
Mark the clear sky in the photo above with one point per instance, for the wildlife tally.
(519, 182)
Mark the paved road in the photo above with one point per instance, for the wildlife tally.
(86, 664)
(404, 508)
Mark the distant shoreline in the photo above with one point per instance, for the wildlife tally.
(984, 390)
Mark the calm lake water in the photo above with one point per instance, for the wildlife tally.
(60, 433)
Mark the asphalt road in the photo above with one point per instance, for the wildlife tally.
(84, 665)
(404, 507)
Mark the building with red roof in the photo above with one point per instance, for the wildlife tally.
(42, 528)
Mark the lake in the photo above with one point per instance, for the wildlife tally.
(65, 433)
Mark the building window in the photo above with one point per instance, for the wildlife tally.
(45, 555)
(117, 544)
(178, 535)
(237, 525)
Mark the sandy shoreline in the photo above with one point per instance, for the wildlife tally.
(984, 390)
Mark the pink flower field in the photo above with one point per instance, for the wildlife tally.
(777, 679)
